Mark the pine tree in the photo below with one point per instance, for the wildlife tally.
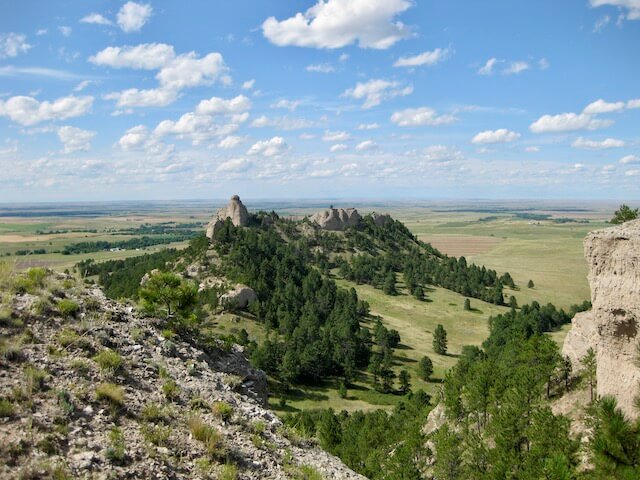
(440, 340)
(530, 284)
(589, 363)
(425, 368)
(467, 304)
(405, 381)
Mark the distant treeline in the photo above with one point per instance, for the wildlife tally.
(133, 243)
(37, 251)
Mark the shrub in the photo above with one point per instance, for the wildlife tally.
(68, 337)
(10, 352)
(222, 410)
(42, 306)
(171, 390)
(6, 408)
(111, 393)
(229, 472)
(21, 285)
(34, 378)
(156, 434)
(36, 276)
(81, 366)
(68, 308)
(208, 435)
(154, 413)
(109, 361)
(65, 403)
(117, 448)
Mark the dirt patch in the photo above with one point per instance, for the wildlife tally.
(457, 246)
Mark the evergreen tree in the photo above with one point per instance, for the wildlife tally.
(624, 214)
(389, 286)
(566, 367)
(589, 363)
(530, 284)
(467, 304)
(405, 381)
(440, 340)
(425, 368)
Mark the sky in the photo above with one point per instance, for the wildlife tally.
(385, 99)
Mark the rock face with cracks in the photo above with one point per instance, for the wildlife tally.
(611, 327)
(235, 210)
(337, 219)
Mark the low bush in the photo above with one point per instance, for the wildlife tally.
(111, 393)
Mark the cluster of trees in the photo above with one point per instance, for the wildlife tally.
(624, 214)
(313, 326)
(132, 243)
(381, 361)
(377, 444)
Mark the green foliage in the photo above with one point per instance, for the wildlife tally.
(222, 410)
(7, 408)
(440, 340)
(530, 284)
(171, 390)
(167, 294)
(467, 304)
(206, 434)
(34, 378)
(376, 444)
(111, 393)
(156, 434)
(624, 214)
(116, 452)
(154, 413)
(425, 368)
(589, 364)
(616, 442)
(109, 361)
(405, 381)
(68, 308)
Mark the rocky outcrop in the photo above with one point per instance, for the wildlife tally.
(240, 297)
(381, 219)
(337, 219)
(235, 210)
(611, 327)
(61, 402)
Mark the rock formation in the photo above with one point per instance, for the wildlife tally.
(337, 219)
(240, 297)
(611, 327)
(235, 210)
(381, 219)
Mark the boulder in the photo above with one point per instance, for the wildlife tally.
(235, 210)
(337, 219)
(240, 297)
(611, 327)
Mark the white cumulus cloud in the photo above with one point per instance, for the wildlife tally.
(286, 104)
(235, 165)
(153, 97)
(631, 7)
(75, 139)
(96, 19)
(221, 106)
(29, 111)
(320, 68)
(330, 136)
(366, 146)
(375, 91)
(338, 23)
(487, 68)
(629, 159)
(230, 142)
(587, 144)
(600, 106)
(516, 67)
(146, 56)
(502, 135)
(567, 122)
(338, 147)
(273, 147)
(415, 117)
(132, 16)
(134, 138)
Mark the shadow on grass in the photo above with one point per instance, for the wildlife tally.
(402, 346)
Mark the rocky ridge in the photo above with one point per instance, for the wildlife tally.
(56, 420)
(235, 210)
(337, 219)
(611, 326)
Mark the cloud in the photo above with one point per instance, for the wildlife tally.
(338, 23)
(194, 127)
(235, 165)
(230, 142)
(248, 85)
(502, 135)
(428, 58)
(487, 68)
(414, 117)
(375, 92)
(516, 67)
(13, 44)
(368, 126)
(330, 136)
(320, 68)
(132, 97)
(632, 173)
(82, 85)
(532, 149)
(65, 31)
(600, 106)
(221, 106)
(633, 103)
(631, 7)
(282, 123)
(132, 16)
(134, 138)
(96, 19)
(366, 146)
(174, 72)
(273, 147)
(586, 144)
(290, 105)
(630, 159)
(601, 23)
(29, 111)
(338, 147)
(567, 122)
(11, 71)
(543, 64)
(146, 56)
(75, 139)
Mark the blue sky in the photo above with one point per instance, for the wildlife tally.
(105, 100)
